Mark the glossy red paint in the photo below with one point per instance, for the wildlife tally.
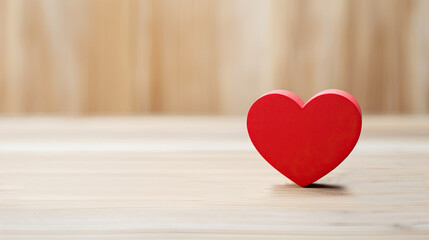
(305, 141)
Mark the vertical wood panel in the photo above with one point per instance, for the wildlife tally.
(189, 56)
(184, 56)
(244, 53)
(419, 75)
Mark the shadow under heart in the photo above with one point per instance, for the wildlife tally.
(314, 189)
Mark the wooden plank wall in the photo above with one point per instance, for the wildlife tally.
(209, 56)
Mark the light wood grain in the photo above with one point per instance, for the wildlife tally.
(200, 177)
(209, 56)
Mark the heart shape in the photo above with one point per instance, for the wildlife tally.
(304, 141)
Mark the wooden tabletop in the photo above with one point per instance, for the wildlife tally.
(200, 178)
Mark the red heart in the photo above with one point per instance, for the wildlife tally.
(305, 142)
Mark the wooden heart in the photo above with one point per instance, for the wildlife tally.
(304, 141)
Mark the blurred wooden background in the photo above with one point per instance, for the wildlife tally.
(201, 56)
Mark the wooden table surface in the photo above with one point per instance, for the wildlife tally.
(200, 177)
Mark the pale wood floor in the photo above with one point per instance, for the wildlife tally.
(200, 177)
